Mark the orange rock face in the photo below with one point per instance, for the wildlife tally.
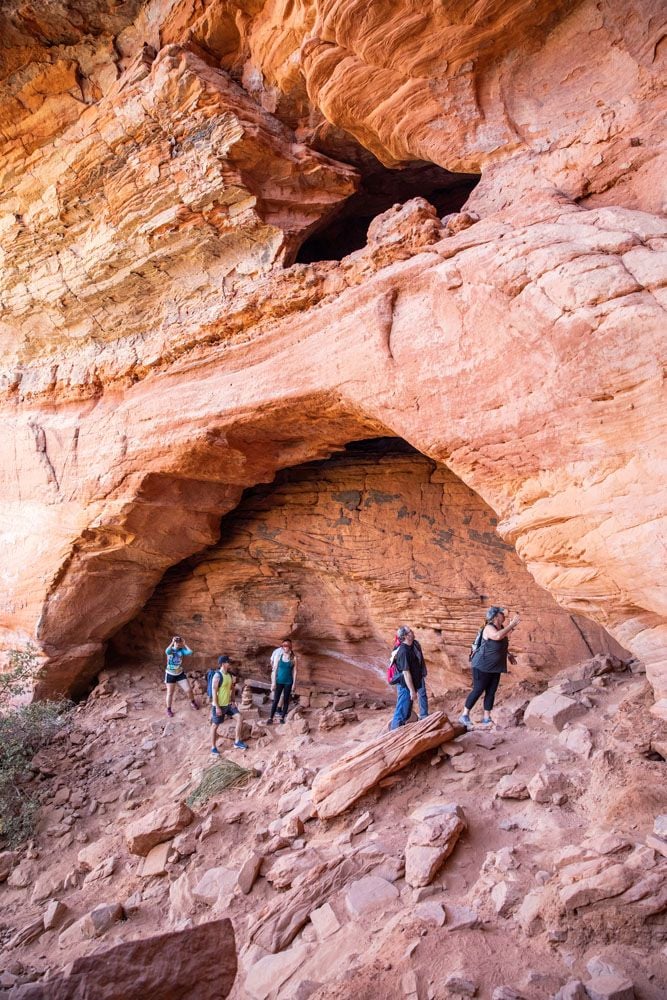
(337, 555)
(162, 163)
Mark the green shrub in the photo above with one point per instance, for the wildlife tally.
(23, 731)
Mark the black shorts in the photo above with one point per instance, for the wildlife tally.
(226, 712)
(174, 678)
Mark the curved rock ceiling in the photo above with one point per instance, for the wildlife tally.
(336, 554)
(162, 162)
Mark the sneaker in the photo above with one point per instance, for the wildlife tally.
(269, 722)
(240, 745)
(195, 703)
(170, 713)
(487, 723)
(282, 721)
(465, 720)
(215, 752)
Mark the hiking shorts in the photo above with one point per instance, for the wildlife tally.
(227, 711)
(174, 678)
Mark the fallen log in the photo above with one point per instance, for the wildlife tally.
(336, 788)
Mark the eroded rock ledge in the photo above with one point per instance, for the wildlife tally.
(161, 163)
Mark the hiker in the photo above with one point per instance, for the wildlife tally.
(223, 706)
(421, 692)
(174, 673)
(488, 662)
(410, 665)
(283, 678)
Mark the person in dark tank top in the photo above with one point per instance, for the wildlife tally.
(488, 663)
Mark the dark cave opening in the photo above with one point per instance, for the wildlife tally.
(381, 188)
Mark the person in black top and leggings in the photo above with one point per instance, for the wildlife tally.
(488, 663)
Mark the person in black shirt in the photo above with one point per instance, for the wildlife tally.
(411, 668)
(488, 663)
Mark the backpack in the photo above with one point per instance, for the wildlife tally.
(476, 643)
(209, 681)
(393, 673)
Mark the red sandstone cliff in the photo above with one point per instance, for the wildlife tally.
(160, 165)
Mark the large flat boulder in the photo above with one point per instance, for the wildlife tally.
(551, 711)
(176, 964)
(337, 787)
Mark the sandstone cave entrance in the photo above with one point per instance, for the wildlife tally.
(336, 553)
(381, 188)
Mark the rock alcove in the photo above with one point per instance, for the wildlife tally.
(336, 553)
(379, 189)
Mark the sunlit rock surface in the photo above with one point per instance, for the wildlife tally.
(161, 163)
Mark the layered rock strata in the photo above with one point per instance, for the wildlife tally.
(161, 162)
(337, 554)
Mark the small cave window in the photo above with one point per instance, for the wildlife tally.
(380, 189)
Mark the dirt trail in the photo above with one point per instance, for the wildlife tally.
(121, 757)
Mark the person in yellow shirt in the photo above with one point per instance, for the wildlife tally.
(223, 704)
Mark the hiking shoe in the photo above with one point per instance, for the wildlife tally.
(170, 713)
(195, 703)
(240, 745)
(282, 721)
(269, 722)
(465, 720)
(215, 752)
(487, 723)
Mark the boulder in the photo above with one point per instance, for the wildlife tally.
(368, 894)
(546, 784)
(157, 826)
(573, 990)
(577, 739)
(276, 925)
(431, 912)
(213, 883)
(610, 882)
(430, 843)
(155, 861)
(504, 896)
(460, 985)
(660, 826)
(104, 870)
(337, 787)
(551, 711)
(248, 872)
(7, 861)
(610, 986)
(48, 884)
(529, 914)
(460, 918)
(267, 975)
(325, 921)
(92, 925)
(56, 915)
(27, 934)
(511, 787)
(175, 964)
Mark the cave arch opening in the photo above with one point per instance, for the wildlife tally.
(336, 553)
(379, 189)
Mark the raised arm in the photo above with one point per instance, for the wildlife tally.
(500, 633)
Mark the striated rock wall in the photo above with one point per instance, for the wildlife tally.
(338, 554)
(161, 162)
